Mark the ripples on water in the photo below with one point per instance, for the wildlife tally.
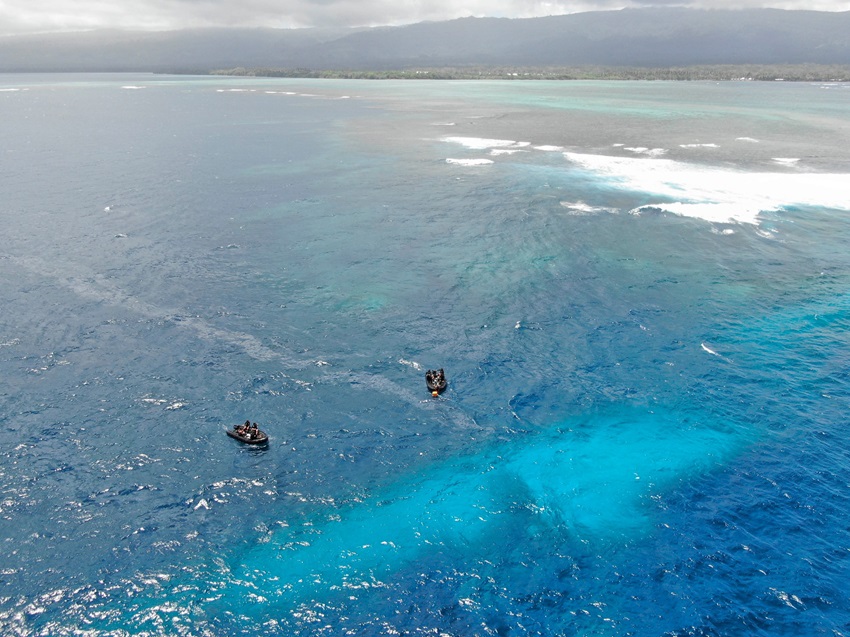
(643, 432)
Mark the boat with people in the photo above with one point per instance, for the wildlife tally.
(248, 433)
(436, 381)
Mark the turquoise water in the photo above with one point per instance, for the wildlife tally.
(638, 291)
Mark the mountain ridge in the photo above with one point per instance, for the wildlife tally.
(647, 37)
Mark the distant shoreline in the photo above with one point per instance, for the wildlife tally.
(720, 72)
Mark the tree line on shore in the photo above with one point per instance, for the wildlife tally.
(724, 72)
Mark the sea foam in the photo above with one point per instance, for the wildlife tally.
(506, 151)
(642, 150)
(469, 162)
(718, 195)
(582, 208)
(480, 143)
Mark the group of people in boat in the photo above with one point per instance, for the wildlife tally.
(248, 430)
(437, 377)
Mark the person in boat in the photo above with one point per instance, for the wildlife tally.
(254, 432)
(437, 377)
(243, 429)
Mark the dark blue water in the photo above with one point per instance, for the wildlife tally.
(638, 291)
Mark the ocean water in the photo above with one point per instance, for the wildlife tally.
(640, 293)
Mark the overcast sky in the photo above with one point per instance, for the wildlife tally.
(23, 16)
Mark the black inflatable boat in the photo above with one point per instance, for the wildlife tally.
(258, 438)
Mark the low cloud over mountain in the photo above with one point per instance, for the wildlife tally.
(630, 37)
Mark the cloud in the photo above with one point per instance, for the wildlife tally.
(52, 15)
(19, 16)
